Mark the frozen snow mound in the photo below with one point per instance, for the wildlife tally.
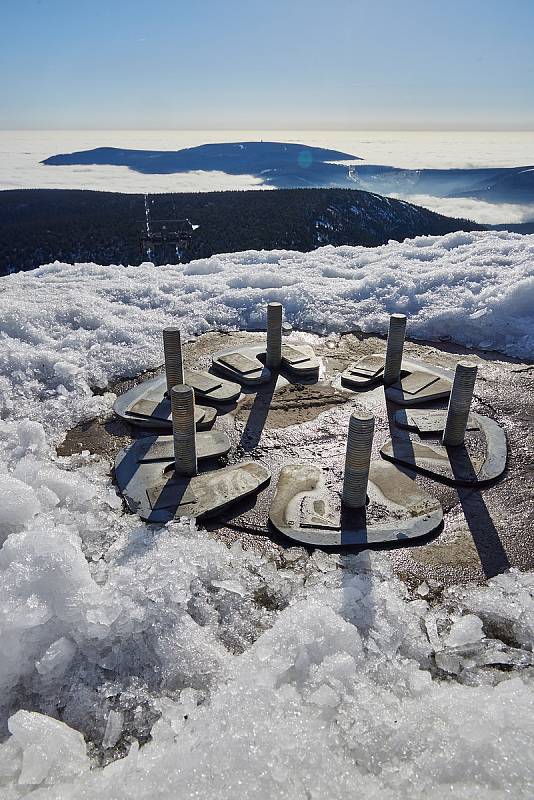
(66, 328)
(330, 692)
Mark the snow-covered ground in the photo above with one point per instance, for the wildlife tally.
(307, 677)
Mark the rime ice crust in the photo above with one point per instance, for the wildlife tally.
(313, 675)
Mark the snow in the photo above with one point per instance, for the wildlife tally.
(176, 667)
(66, 328)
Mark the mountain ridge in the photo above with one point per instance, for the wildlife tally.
(44, 225)
(286, 165)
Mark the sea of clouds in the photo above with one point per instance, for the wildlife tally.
(21, 153)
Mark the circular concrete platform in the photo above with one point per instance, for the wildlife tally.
(485, 531)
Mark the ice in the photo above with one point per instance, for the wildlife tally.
(449, 662)
(204, 670)
(423, 589)
(466, 630)
(113, 729)
(19, 504)
(48, 750)
(57, 657)
(505, 605)
(229, 586)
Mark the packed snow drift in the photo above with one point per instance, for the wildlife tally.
(140, 662)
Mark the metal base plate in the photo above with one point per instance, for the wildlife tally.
(419, 383)
(247, 364)
(365, 372)
(299, 360)
(398, 510)
(147, 406)
(154, 492)
(471, 464)
(210, 444)
(210, 388)
(428, 422)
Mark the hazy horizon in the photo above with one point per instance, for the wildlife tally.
(205, 129)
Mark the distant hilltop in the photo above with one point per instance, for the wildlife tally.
(283, 165)
(279, 164)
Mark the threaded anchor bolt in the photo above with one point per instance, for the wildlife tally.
(174, 367)
(357, 459)
(274, 335)
(460, 403)
(183, 430)
(394, 348)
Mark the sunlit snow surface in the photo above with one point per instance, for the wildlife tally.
(315, 677)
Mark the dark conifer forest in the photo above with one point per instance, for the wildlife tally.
(39, 226)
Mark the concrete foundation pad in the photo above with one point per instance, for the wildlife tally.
(157, 494)
(398, 510)
(476, 462)
(487, 529)
(146, 406)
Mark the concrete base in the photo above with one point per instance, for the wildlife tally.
(480, 460)
(398, 510)
(147, 405)
(151, 488)
(247, 364)
(419, 383)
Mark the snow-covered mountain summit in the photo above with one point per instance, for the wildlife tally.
(239, 676)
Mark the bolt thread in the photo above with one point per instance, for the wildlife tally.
(183, 429)
(274, 335)
(460, 403)
(394, 348)
(358, 459)
(174, 367)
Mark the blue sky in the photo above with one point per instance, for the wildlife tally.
(246, 64)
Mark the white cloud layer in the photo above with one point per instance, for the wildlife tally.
(22, 151)
(476, 210)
